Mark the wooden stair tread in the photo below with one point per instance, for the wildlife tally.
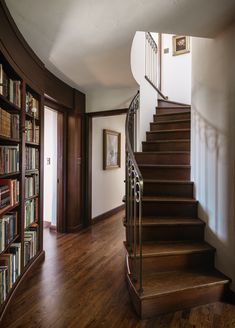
(177, 113)
(167, 221)
(166, 141)
(167, 131)
(166, 152)
(168, 199)
(173, 248)
(168, 181)
(157, 284)
(173, 107)
(184, 166)
(172, 121)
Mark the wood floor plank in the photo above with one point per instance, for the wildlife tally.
(81, 284)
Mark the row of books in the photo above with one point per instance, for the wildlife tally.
(8, 229)
(31, 185)
(32, 158)
(31, 242)
(11, 89)
(32, 105)
(9, 159)
(31, 132)
(10, 269)
(9, 124)
(31, 212)
(9, 193)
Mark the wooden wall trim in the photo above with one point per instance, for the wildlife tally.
(104, 113)
(108, 214)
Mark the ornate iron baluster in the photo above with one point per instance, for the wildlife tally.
(134, 193)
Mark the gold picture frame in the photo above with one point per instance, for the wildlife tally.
(180, 44)
(111, 149)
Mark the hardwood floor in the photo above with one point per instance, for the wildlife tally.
(82, 284)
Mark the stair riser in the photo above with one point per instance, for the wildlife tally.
(176, 262)
(155, 136)
(173, 233)
(165, 173)
(177, 159)
(184, 299)
(170, 209)
(168, 189)
(169, 126)
(171, 110)
(167, 146)
(183, 116)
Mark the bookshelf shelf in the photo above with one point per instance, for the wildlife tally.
(7, 209)
(32, 197)
(10, 243)
(19, 155)
(31, 117)
(10, 175)
(33, 144)
(9, 106)
(29, 172)
(9, 140)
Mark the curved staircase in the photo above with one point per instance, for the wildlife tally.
(178, 265)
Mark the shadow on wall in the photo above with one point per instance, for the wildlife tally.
(213, 169)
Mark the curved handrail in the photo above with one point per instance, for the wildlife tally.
(134, 193)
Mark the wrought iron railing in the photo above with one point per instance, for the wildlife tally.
(152, 69)
(134, 193)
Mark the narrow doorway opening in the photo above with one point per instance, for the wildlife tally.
(50, 168)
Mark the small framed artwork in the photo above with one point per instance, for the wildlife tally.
(181, 44)
(111, 149)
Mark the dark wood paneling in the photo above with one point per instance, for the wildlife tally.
(60, 170)
(74, 170)
(59, 91)
(112, 112)
(88, 170)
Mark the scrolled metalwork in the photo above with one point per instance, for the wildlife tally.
(134, 193)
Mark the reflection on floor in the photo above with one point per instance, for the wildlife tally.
(82, 284)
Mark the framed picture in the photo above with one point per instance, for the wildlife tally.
(181, 44)
(111, 150)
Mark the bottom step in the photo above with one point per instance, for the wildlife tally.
(177, 290)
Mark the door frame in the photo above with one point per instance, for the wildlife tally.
(62, 118)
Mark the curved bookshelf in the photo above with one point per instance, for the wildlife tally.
(21, 247)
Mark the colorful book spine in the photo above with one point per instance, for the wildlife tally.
(8, 229)
(10, 269)
(31, 243)
(9, 159)
(31, 212)
(32, 158)
(32, 186)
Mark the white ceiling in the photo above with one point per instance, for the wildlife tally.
(87, 42)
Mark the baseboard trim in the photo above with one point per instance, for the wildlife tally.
(107, 215)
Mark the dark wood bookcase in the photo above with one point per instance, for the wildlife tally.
(28, 235)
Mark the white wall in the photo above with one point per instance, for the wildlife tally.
(176, 73)
(148, 96)
(109, 99)
(213, 121)
(108, 186)
(50, 170)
